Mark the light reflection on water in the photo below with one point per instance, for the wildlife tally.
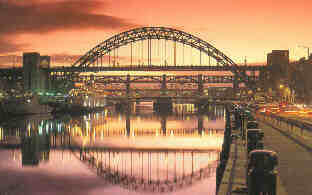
(143, 147)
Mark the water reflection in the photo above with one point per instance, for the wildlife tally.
(35, 149)
(140, 150)
(152, 170)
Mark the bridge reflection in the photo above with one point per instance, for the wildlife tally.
(154, 171)
(142, 169)
(138, 170)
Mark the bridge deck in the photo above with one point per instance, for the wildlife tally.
(142, 68)
(155, 68)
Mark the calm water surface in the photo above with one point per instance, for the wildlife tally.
(137, 152)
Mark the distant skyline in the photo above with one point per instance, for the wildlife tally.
(237, 28)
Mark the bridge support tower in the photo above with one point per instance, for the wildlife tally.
(235, 85)
(202, 105)
(128, 86)
(164, 124)
(163, 105)
(128, 127)
(124, 106)
(200, 86)
(200, 123)
(164, 85)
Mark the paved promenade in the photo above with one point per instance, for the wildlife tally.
(295, 159)
(294, 169)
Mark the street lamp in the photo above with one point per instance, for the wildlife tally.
(281, 91)
(285, 92)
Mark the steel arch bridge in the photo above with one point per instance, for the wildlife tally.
(148, 33)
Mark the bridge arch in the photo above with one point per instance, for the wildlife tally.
(145, 33)
(153, 174)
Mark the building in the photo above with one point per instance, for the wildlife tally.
(301, 80)
(279, 62)
(278, 57)
(278, 65)
(35, 71)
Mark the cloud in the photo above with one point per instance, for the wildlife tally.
(7, 46)
(35, 16)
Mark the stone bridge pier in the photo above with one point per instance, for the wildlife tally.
(163, 104)
(124, 106)
(201, 105)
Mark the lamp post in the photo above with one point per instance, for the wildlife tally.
(285, 92)
(281, 86)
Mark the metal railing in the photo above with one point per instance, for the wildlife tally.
(300, 128)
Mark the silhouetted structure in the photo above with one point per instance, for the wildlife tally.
(35, 74)
(35, 149)
(278, 65)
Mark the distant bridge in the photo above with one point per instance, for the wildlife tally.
(155, 49)
(17, 73)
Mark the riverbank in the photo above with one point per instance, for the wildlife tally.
(234, 178)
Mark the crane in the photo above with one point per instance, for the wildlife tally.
(306, 47)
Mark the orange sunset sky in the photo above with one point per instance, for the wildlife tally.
(238, 28)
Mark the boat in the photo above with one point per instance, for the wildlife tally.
(23, 105)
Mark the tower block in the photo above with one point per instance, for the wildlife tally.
(35, 71)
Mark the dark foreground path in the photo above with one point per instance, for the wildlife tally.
(295, 160)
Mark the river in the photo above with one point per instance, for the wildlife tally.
(139, 152)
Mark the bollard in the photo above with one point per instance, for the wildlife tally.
(254, 139)
(261, 172)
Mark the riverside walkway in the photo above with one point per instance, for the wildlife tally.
(295, 156)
